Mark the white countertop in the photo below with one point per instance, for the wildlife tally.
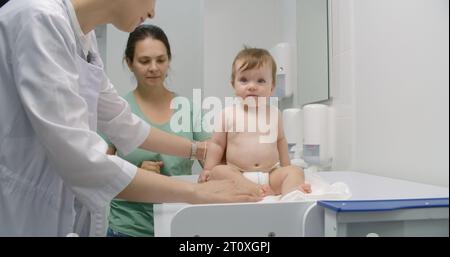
(362, 186)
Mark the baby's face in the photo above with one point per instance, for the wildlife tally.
(256, 82)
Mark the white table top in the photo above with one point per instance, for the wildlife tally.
(362, 186)
(371, 187)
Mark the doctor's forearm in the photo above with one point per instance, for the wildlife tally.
(162, 142)
(155, 188)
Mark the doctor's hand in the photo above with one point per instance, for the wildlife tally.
(152, 166)
(224, 191)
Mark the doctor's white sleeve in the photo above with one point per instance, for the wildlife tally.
(45, 73)
(125, 130)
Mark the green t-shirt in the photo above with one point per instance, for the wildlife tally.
(134, 218)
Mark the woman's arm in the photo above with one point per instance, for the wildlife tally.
(165, 143)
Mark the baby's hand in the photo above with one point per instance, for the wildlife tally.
(204, 176)
(305, 188)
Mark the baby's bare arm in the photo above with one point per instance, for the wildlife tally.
(216, 149)
(214, 155)
(283, 152)
(218, 143)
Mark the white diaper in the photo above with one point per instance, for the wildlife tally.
(321, 190)
(258, 177)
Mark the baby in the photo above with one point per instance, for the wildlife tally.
(256, 152)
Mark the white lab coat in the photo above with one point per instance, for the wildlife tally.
(49, 149)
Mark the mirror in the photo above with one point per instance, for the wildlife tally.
(205, 35)
(313, 51)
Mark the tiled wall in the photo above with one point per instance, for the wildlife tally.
(342, 84)
(390, 88)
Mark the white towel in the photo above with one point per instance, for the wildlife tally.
(321, 190)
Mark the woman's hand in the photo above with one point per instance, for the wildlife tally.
(152, 166)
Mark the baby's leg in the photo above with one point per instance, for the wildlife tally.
(229, 172)
(284, 180)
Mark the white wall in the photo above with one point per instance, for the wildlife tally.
(342, 84)
(183, 23)
(390, 88)
(288, 17)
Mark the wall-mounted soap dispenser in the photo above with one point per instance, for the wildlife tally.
(316, 141)
(282, 55)
(293, 132)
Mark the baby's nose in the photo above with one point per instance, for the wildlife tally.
(251, 87)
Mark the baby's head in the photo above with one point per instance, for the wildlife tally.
(253, 73)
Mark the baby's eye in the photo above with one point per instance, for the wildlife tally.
(261, 81)
(243, 80)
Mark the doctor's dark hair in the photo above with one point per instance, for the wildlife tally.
(142, 32)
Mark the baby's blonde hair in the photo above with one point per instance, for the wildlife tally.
(253, 58)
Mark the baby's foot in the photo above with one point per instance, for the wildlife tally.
(267, 190)
(305, 188)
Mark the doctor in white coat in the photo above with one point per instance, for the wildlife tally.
(54, 95)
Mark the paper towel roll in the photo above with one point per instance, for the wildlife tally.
(293, 128)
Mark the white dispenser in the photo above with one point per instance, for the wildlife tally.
(293, 131)
(315, 136)
(282, 56)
